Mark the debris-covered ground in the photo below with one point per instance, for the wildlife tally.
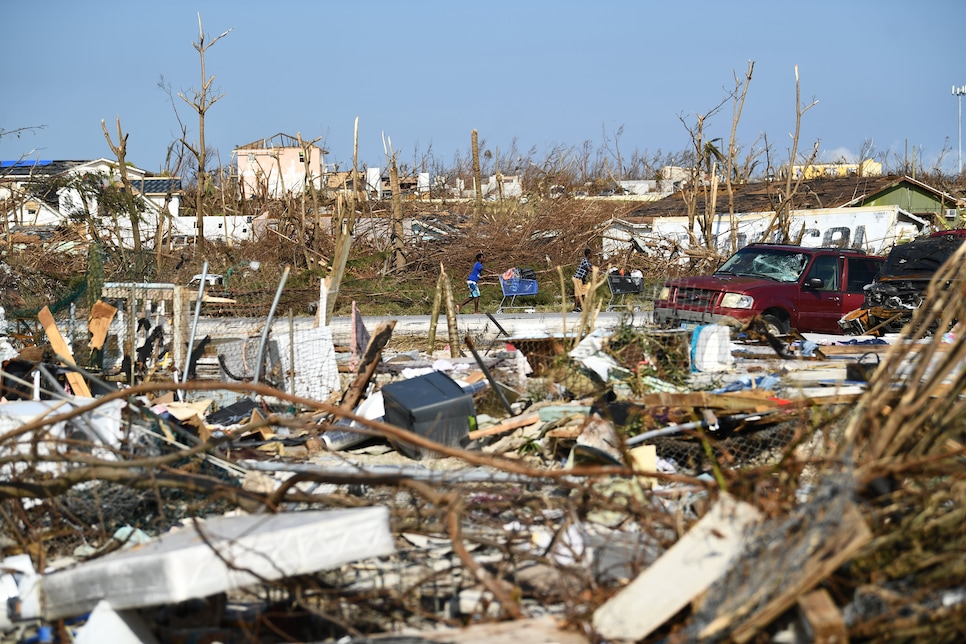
(622, 485)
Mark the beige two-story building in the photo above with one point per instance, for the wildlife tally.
(278, 166)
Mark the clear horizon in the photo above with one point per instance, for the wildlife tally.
(534, 77)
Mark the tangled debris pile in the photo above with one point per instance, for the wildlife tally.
(626, 486)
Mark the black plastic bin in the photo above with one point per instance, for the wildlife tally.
(432, 406)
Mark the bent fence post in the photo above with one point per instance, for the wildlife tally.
(268, 325)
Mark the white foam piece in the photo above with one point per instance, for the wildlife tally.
(183, 564)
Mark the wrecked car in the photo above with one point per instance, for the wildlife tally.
(893, 297)
(789, 287)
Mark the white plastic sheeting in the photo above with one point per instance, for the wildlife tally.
(100, 428)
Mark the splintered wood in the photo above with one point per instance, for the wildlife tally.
(686, 570)
(76, 381)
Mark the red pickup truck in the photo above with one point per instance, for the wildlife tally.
(790, 287)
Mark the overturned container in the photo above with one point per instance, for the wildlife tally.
(433, 406)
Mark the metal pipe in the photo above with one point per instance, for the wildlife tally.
(666, 431)
(131, 347)
(369, 475)
(268, 325)
(958, 93)
(291, 350)
(489, 376)
(683, 427)
(194, 323)
(146, 286)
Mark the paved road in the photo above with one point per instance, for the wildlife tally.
(519, 325)
(516, 325)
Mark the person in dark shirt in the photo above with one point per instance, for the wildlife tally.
(472, 281)
(581, 280)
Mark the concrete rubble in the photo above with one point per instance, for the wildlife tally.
(623, 484)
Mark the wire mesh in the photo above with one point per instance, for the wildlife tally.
(153, 327)
(751, 449)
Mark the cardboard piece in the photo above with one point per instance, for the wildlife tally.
(508, 425)
(164, 399)
(191, 414)
(99, 322)
(264, 432)
(644, 458)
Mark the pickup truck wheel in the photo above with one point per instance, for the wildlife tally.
(775, 325)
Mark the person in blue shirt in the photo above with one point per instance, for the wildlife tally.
(581, 279)
(472, 281)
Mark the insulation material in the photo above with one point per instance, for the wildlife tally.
(220, 554)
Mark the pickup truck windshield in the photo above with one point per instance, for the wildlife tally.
(767, 263)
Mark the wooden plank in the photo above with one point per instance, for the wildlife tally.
(821, 619)
(836, 549)
(123, 293)
(263, 432)
(76, 381)
(833, 398)
(571, 432)
(860, 349)
(540, 630)
(744, 401)
(682, 573)
(855, 349)
(367, 366)
(507, 425)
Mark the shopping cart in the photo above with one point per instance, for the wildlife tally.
(514, 285)
(620, 287)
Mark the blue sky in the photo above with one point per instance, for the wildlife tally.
(543, 74)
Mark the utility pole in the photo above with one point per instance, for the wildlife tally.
(958, 92)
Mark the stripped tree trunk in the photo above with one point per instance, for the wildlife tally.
(120, 153)
(398, 233)
(344, 223)
(477, 177)
(451, 326)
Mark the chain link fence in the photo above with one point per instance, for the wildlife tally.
(139, 331)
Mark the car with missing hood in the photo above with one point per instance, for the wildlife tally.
(892, 299)
(789, 287)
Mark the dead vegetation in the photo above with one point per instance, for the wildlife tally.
(863, 502)
(541, 234)
(861, 498)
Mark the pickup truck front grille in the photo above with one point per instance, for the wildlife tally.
(697, 298)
